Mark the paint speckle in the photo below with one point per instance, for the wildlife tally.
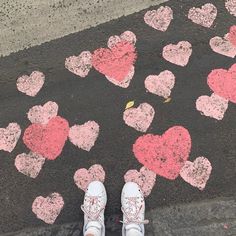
(197, 173)
(166, 154)
(231, 6)
(48, 209)
(139, 118)
(84, 177)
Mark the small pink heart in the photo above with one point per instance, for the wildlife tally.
(232, 35)
(125, 36)
(29, 164)
(84, 177)
(48, 209)
(159, 19)
(231, 6)
(84, 136)
(145, 178)
(161, 84)
(197, 173)
(223, 46)
(139, 118)
(31, 85)
(178, 54)
(9, 137)
(203, 16)
(213, 106)
(43, 114)
(79, 65)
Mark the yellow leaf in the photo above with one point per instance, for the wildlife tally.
(129, 104)
(167, 100)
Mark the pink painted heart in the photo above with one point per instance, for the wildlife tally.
(31, 85)
(79, 65)
(84, 136)
(139, 118)
(166, 154)
(9, 137)
(159, 19)
(161, 84)
(125, 36)
(232, 35)
(203, 16)
(115, 63)
(47, 140)
(84, 177)
(231, 6)
(196, 173)
(145, 178)
(48, 209)
(223, 83)
(213, 106)
(29, 164)
(43, 114)
(178, 54)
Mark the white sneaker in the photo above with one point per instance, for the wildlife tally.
(133, 208)
(94, 206)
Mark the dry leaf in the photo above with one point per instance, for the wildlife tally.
(167, 100)
(129, 104)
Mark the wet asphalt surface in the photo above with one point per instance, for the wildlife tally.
(95, 98)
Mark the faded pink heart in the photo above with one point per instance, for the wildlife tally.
(84, 177)
(43, 114)
(223, 46)
(84, 136)
(159, 19)
(139, 118)
(161, 84)
(31, 85)
(197, 173)
(203, 16)
(29, 164)
(232, 35)
(213, 106)
(126, 36)
(9, 137)
(79, 65)
(48, 209)
(178, 54)
(145, 178)
(231, 6)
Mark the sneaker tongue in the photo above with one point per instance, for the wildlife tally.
(133, 226)
(95, 224)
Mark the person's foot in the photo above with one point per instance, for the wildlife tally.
(94, 206)
(133, 208)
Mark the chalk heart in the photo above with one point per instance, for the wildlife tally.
(84, 177)
(139, 118)
(161, 84)
(43, 114)
(79, 65)
(197, 173)
(29, 164)
(213, 106)
(223, 46)
(231, 6)
(48, 209)
(128, 36)
(159, 19)
(166, 154)
(47, 140)
(9, 137)
(232, 35)
(84, 136)
(115, 62)
(178, 54)
(145, 178)
(31, 85)
(223, 83)
(203, 16)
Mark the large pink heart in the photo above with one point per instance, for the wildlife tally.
(159, 19)
(84, 177)
(47, 140)
(116, 62)
(145, 178)
(231, 6)
(178, 54)
(49, 208)
(223, 83)
(203, 16)
(165, 154)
